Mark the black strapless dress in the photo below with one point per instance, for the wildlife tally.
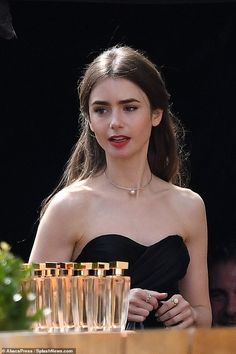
(157, 267)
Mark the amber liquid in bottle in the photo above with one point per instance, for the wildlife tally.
(96, 295)
(35, 285)
(64, 284)
(51, 299)
(81, 287)
(118, 287)
(38, 289)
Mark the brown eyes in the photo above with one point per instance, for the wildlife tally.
(103, 110)
(100, 110)
(130, 108)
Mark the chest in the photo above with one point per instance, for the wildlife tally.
(146, 222)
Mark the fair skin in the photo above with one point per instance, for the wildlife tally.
(121, 119)
(223, 293)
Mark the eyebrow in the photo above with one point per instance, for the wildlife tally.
(105, 103)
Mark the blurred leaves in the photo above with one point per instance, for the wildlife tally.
(16, 300)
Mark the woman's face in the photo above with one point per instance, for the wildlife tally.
(121, 117)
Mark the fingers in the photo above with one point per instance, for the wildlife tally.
(141, 302)
(137, 314)
(182, 320)
(142, 299)
(152, 298)
(185, 324)
(170, 307)
(175, 312)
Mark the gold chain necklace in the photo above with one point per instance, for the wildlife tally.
(131, 190)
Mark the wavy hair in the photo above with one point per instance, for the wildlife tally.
(165, 151)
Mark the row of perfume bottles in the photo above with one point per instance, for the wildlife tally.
(80, 296)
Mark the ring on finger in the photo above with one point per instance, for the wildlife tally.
(175, 301)
(148, 297)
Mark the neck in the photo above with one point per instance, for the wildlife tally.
(132, 181)
(133, 172)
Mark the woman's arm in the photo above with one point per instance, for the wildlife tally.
(55, 238)
(193, 304)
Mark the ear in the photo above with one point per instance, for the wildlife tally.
(156, 117)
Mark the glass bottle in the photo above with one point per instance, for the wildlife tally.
(38, 289)
(96, 297)
(64, 285)
(34, 287)
(81, 287)
(117, 291)
(52, 298)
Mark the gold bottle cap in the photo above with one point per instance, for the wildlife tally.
(39, 273)
(119, 264)
(100, 265)
(100, 268)
(52, 265)
(39, 265)
(118, 267)
(52, 272)
(88, 265)
(67, 265)
(83, 265)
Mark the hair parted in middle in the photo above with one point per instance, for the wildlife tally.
(166, 146)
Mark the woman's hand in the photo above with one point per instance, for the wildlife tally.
(141, 302)
(176, 312)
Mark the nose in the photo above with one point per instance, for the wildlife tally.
(116, 120)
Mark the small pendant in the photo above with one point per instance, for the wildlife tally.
(132, 192)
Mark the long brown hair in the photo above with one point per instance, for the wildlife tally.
(165, 152)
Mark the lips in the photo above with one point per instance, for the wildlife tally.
(119, 141)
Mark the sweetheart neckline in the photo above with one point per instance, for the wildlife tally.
(131, 240)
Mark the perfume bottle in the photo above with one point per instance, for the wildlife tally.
(27, 283)
(38, 289)
(64, 287)
(52, 298)
(81, 287)
(96, 297)
(28, 287)
(117, 291)
(34, 287)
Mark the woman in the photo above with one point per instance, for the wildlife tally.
(120, 196)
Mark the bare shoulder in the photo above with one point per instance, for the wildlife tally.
(191, 212)
(70, 199)
(62, 223)
(187, 199)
